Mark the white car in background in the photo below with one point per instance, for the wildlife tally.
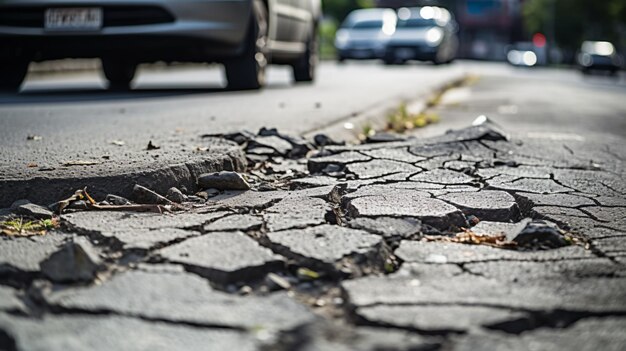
(364, 34)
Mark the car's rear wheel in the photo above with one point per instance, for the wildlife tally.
(304, 69)
(13, 74)
(248, 71)
(119, 73)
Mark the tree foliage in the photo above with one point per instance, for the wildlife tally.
(572, 21)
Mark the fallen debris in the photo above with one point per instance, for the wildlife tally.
(225, 180)
(75, 261)
(151, 146)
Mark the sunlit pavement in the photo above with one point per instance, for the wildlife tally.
(77, 118)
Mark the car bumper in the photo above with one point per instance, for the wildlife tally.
(361, 53)
(412, 52)
(152, 29)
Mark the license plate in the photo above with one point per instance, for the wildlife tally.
(73, 19)
(404, 53)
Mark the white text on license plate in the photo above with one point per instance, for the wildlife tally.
(73, 19)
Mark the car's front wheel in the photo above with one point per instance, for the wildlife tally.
(248, 71)
(13, 74)
(304, 68)
(119, 73)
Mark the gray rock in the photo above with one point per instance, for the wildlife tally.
(234, 222)
(75, 261)
(324, 140)
(324, 247)
(225, 180)
(33, 210)
(379, 168)
(488, 205)
(223, 257)
(116, 200)
(544, 233)
(24, 254)
(175, 195)
(405, 203)
(280, 146)
(438, 319)
(420, 251)
(144, 195)
(183, 298)
(105, 333)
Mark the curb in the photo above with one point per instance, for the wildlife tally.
(44, 190)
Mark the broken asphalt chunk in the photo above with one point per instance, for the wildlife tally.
(537, 233)
(331, 248)
(75, 261)
(223, 257)
(224, 180)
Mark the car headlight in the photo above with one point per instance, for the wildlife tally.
(341, 38)
(434, 36)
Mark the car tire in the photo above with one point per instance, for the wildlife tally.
(119, 73)
(247, 72)
(304, 69)
(13, 74)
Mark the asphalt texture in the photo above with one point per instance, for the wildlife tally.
(488, 237)
(73, 119)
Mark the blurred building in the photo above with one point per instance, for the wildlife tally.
(486, 27)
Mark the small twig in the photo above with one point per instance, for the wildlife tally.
(133, 207)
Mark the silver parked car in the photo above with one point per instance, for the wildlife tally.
(426, 33)
(244, 35)
(364, 34)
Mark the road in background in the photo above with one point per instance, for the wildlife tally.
(78, 120)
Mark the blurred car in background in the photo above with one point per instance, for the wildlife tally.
(599, 55)
(244, 35)
(364, 34)
(525, 54)
(426, 33)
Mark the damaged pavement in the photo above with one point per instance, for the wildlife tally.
(470, 240)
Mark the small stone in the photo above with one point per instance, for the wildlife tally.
(175, 195)
(144, 195)
(75, 261)
(537, 232)
(116, 200)
(276, 282)
(19, 203)
(323, 140)
(78, 205)
(225, 180)
(33, 210)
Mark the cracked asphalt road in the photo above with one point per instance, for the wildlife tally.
(354, 247)
(422, 243)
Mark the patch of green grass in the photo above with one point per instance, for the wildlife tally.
(23, 227)
(401, 120)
